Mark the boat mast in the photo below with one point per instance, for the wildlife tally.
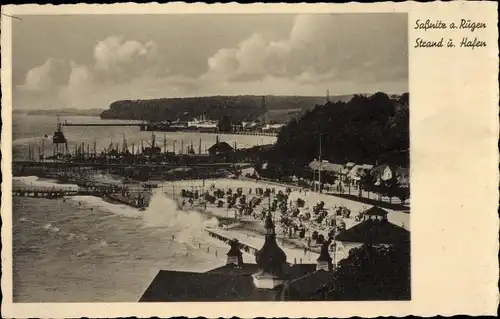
(165, 142)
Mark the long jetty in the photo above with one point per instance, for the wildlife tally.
(102, 124)
(48, 192)
(56, 164)
(146, 127)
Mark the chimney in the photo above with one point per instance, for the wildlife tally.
(234, 255)
(324, 260)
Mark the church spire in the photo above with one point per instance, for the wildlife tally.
(271, 259)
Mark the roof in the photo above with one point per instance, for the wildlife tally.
(326, 166)
(375, 211)
(181, 286)
(379, 169)
(302, 288)
(224, 283)
(221, 147)
(291, 271)
(375, 232)
(356, 171)
(271, 258)
(347, 167)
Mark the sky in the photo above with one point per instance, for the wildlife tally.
(89, 61)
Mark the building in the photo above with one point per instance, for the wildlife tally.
(327, 170)
(375, 229)
(326, 166)
(270, 279)
(220, 148)
(358, 171)
(346, 169)
(275, 128)
(381, 173)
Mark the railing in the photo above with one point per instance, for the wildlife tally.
(248, 249)
(53, 192)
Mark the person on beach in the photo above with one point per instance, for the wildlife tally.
(173, 237)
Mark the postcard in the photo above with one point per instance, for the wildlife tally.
(279, 160)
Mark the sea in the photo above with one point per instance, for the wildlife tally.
(84, 249)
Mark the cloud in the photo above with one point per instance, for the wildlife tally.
(368, 46)
(50, 75)
(118, 60)
(359, 53)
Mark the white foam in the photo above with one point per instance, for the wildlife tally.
(47, 183)
(117, 209)
(187, 225)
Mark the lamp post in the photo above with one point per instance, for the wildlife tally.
(319, 171)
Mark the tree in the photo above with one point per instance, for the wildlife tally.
(371, 273)
(367, 182)
(363, 130)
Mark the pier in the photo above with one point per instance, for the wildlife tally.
(102, 124)
(152, 128)
(48, 192)
(101, 165)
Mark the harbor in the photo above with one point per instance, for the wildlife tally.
(138, 178)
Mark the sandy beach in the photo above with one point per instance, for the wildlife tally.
(249, 229)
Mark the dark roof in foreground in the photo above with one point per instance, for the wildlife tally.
(175, 286)
(375, 211)
(224, 283)
(306, 286)
(375, 232)
(290, 271)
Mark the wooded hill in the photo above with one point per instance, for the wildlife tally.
(365, 130)
(237, 108)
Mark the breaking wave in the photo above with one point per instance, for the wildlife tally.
(187, 225)
(116, 209)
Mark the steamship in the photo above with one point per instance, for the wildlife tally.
(201, 124)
